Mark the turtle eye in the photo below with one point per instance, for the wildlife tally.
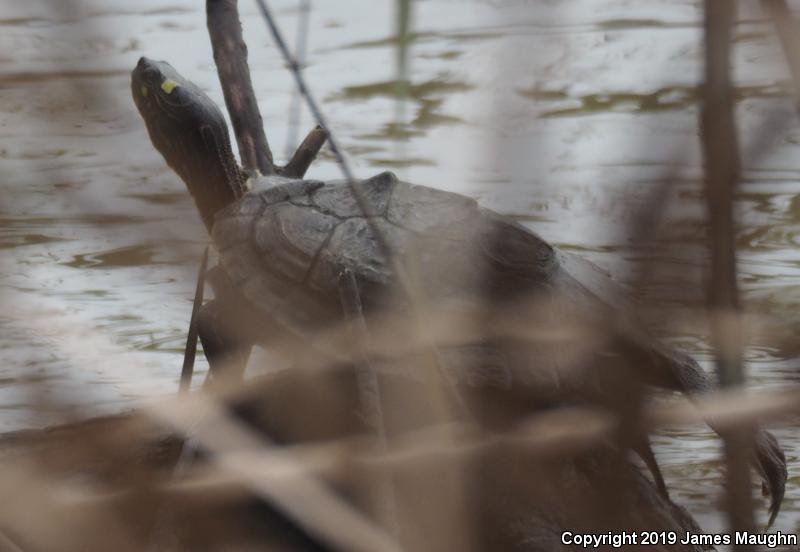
(169, 85)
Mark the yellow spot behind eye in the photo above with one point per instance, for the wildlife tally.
(169, 85)
(143, 90)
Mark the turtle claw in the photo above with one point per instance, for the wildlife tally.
(771, 464)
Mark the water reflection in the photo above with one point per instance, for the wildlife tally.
(664, 99)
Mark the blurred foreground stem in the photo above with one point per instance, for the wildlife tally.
(722, 165)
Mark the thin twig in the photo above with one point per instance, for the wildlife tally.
(369, 391)
(191, 339)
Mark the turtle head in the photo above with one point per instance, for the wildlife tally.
(187, 127)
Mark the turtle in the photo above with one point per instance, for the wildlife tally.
(286, 244)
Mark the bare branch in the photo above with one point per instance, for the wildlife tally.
(230, 56)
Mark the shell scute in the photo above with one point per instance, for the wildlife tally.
(229, 231)
(340, 200)
(354, 246)
(240, 262)
(285, 192)
(286, 301)
(288, 238)
(422, 209)
(250, 204)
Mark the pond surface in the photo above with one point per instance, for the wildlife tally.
(568, 115)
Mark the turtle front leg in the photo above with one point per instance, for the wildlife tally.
(225, 345)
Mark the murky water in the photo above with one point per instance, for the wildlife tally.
(567, 115)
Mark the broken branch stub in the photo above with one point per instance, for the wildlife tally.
(305, 154)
